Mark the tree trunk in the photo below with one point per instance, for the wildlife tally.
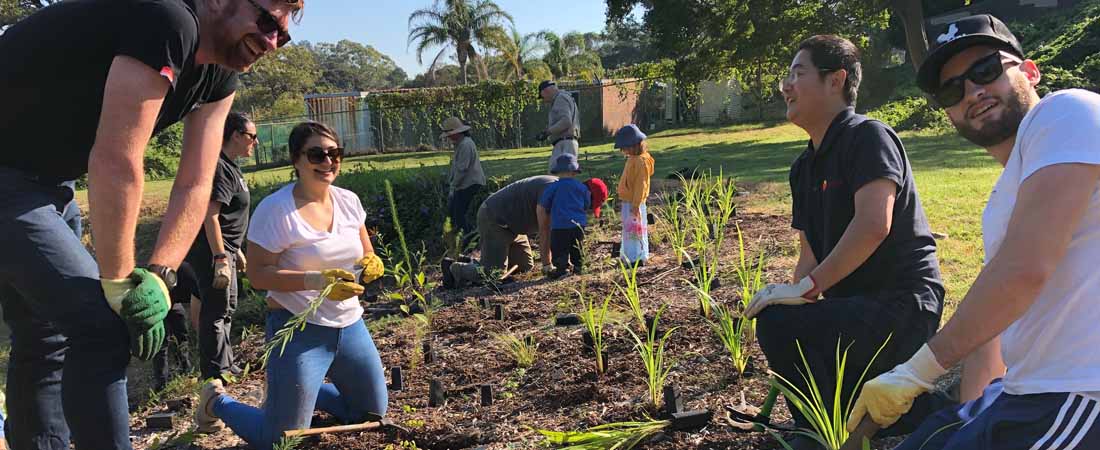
(911, 13)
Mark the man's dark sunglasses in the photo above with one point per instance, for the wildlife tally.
(982, 72)
(316, 155)
(251, 136)
(268, 23)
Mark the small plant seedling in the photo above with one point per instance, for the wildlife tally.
(594, 317)
(652, 352)
(524, 351)
(617, 436)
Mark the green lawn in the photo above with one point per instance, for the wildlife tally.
(953, 176)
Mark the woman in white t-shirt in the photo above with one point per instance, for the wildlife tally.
(303, 237)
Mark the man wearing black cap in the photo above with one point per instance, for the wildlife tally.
(867, 275)
(1027, 328)
(564, 126)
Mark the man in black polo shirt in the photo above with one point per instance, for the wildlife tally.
(867, 267)
(85, 83)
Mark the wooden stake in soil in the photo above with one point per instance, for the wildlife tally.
(486, 395)
(498, 311)
(365, 426)
(396, 383)
(484, 302)
(437, 395)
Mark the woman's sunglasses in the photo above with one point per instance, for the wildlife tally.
(267, 23)
(317, 155)
(982, 72)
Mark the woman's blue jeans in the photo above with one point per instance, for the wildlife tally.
(296, 382)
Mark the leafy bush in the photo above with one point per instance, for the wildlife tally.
(162, 155)
(913, 113)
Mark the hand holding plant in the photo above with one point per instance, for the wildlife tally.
(340, 284)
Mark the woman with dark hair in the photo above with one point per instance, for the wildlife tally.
(305, 237)
(218, 253)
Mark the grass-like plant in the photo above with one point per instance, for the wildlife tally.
(296, 323)
(652, 352)
(730, 330)
(750, 277)
(827, 423)
(405, 254)
(705, 275)
(629, 291)
(675, 230)
(523, 350)
(611, 436)
(594, 316)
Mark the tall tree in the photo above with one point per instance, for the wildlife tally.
(277, 82)
(572, 54)
(461, 25)
(521, 53)
(351, 66)
(624, 44)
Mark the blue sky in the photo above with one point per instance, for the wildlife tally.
(384, 24)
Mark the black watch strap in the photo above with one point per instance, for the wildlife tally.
(166, 274)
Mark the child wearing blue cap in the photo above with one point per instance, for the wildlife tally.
(567, 201)
(633, 191)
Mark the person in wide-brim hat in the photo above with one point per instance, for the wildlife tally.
(466, 177)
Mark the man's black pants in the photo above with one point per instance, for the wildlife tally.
(215, 316)
(565, 248)
(458, 209)
(861, 325)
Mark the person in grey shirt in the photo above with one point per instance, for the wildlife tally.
(504, 221)
(466, 177)
(563, 128)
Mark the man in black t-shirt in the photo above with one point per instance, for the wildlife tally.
(867, 268)
(85, 83)
(217, 254)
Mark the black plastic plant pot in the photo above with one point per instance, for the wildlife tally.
(484, 303)
(464, 259)
(691, 263)
(397, 383)
(486, 395)
(649, 319)
(589, 344)
(437, 395)
(429, 353)
(606, 362)
(674, 402)
(616, 249)
(448, 278)
(691, 420)
(565, 320)
(650, 218)
(498, 311)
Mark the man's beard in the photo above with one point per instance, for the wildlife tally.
(996, 131)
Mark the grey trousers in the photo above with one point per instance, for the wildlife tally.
(562, 147)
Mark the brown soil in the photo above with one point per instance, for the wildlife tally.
(560, 391)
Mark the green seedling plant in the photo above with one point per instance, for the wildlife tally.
(730, 330)
(611, 436)
(523, 350)
(674, 224)
(288, 443)
(827, 424)
(723, 192)
(594, 317)
(749, 277)
(705, 274)
(296, 323)
(629, 292)
(652, 352)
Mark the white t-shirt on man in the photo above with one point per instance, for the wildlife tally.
(1055, 345)
(278, 228)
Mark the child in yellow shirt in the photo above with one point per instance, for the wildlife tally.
(633, 191)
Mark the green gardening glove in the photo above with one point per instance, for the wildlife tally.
(142, 301)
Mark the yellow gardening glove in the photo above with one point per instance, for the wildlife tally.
(372, 268)
(345, 286)
(890, 395)
(221, 274)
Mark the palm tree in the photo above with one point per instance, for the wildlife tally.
(463, 25)
(572, 54)
(522, 53)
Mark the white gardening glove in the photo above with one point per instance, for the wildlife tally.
(222, 274)
(890, 395)
(783, 294)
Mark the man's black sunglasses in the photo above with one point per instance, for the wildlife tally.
(982, 72)
(316, 155)
(267, 23)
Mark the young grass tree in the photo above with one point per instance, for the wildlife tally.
(676, 232)
(827, 422)
(629, 291)
(730, 330)
(652, 352)
(594, 316)
(524, 350)
(749, 277)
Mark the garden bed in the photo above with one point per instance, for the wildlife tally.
(561, 390)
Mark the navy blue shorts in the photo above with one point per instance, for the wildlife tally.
(996, 420)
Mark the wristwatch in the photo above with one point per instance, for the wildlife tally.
(220, 256)
(166, 274)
